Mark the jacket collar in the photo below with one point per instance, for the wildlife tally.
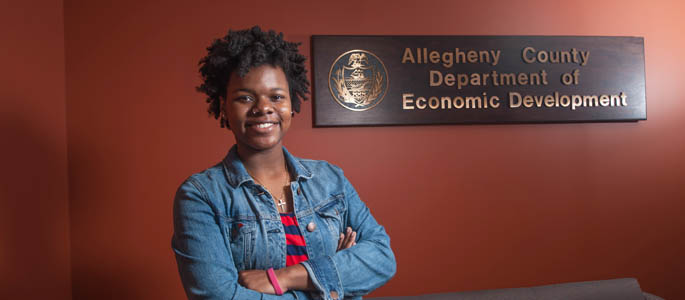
(237, 174)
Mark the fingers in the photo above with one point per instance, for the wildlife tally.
(242, 278)
(340, 241)
(353, 239)
(347, 240)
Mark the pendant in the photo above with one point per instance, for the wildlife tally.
(281, 203)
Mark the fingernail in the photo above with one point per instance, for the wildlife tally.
(349, 229)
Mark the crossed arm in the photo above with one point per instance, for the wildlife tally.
(294, 277)
(207, 270)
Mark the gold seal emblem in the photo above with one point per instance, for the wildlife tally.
(358, 80)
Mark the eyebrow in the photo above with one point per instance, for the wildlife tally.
(244, 90)
(253, 92)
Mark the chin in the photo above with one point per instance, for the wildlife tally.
(262, 145)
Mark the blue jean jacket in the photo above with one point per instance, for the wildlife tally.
(225, 223)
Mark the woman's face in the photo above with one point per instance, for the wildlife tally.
(258, 107)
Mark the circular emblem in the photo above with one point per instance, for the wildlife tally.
(358, 80)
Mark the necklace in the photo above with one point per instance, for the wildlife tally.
(280, 203)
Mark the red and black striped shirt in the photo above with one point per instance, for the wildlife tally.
(296, 248)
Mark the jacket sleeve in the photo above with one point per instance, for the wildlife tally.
(202, 251)
(360, 269)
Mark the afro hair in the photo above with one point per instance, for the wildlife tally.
(240, 51)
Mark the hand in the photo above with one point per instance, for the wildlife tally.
(256, 280)
(347, 240)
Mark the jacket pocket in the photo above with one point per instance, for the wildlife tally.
(332, 212)
(241, 236)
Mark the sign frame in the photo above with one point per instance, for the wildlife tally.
(419, 68)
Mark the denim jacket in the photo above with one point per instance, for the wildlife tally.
(224, 223)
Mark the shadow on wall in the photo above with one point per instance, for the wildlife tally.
(104, 229)
(34, 223)
(97, 284)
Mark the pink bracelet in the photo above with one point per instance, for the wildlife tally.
(274, 281)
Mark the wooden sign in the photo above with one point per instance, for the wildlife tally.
(407, 80)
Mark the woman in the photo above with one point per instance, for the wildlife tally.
(262, 223)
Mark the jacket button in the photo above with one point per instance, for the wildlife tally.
(299, 192)
(311, 226)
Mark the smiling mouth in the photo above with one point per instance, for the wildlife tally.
(262, 125)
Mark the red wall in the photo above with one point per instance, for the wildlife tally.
(467, 207)
(34, 207)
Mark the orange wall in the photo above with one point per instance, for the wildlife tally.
(467, 207)
(34, 207)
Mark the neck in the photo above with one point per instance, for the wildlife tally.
(265, 164)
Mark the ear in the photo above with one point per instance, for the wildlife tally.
(223, 121)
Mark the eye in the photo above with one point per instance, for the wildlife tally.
(277, 98)
(244, 98)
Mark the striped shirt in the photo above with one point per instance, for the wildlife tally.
(296, 248)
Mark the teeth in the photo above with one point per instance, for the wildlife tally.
(264, 125)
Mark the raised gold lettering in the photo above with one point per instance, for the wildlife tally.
(495, 57)
(445, 102)
(434, 57)
(527, 101)
(407, 101)
(408, 56)
(462, 80)
(433, 102)
(549, 101)
(449, 79)
(514, 99)
(474, 102)
(531, 55)
(435, 78)
(458, 102)
(575, 102)
(525, 56)
(590, 100)
(447, 59)
(494, 102)
(473, 56)
(421, 103)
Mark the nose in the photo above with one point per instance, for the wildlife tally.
(263, 106)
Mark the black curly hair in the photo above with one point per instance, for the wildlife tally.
(243, 50)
